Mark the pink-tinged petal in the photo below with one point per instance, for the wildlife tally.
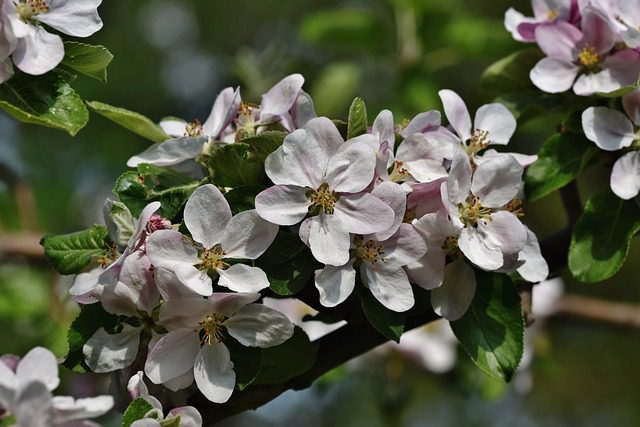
(435, 228)
(281, 97)
(169, 152)
(206, 215)
(535, 268)
(40, 365)
(170, 287)
(559, 41)
(167, 248)
(224, 110)
(424, 156)
(85, 286)
(422, 122)
(184, 313)
(459, 181)
(335, 284)
(362, 214)
(390, 286)
(228, 304)
(597, 30)
(351, 169)
(145, 422)
(327, 136)
(404, 247)
(137, 273)
(448, 142)
(196, 280)
(213, 372)
(300, 160)
(283, 204)
(329, 243)
(498, 121)
(512, 20)
(180, 382)
(384, 128)
(505, 231)
(553, 75)
(524, 159)
(625, 176)
(609, 129)
(631, 37)
(475, 245)
(497, 181)
(189, 416)
(140, 232)
(600, 82)
(105, 352)
(631, 103)
(396, 198)
(453, 298)
(428, 272)
(33, 406)
(78, 19)
(457, 113)
(302, 111)
(173, 127)
(6, 69)
(425, 198)
(136, 386)
(38, 51)
(247, 235)
(172, 355)
(255, 325)
(243, 278)
(618, 70)
(425, 170)
(119, 298)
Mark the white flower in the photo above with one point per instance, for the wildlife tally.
(38, 51)
(316, 172)
(222, 237)
(182, 352)
(26, 394)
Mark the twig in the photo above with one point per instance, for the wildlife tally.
(24, 244)
(588, 308)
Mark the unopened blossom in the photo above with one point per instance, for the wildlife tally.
(545, 12)
(587, 54)
(317, 174)
(25, 393)
(36, 50)
(381, 269)
(218, 237)
(612, 130)
(194, 347)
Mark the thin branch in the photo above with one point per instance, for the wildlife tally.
(593, 309)
(23, 244)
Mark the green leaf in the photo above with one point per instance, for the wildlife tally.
(492, 329)
(90, 60)
(247, 362)
(265, 143)
(149, 183)
(511, 73)
(46, 100)
(287, 360)
(135, 411)
(560, 160)
(287, 263)
(71, 253)
(237, 164)
(243, 198)
(602, 236)
(91, 318)
(357, 124)
(119, 221)
(388, 323)
(135, 122)
(7, 420)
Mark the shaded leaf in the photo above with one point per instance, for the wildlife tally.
(246, 362)
(71, 253)
(135, 411)
(265, 143)
(237, 164)
(135, 122)
(243, 198)
(388, 323)
(90, 60)
(287, 360)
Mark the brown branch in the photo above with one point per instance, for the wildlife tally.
(23, 244)
(593, 309)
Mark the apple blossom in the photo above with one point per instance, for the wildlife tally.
(194, 347)
(545, 12)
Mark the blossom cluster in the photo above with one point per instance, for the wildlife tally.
(25, 43)
(589, 45)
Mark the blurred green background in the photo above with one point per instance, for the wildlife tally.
(171, 59)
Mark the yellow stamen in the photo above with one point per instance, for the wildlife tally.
(212, 259)
(369, 251)
(588, 57)
(552, 15)
(399, 172)
(323, 199)
(472, 211)
(194, 128)
(213, 329)
(26, 9)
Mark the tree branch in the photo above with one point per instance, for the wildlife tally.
(593, 309)
(23, 244)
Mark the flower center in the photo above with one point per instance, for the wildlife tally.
(246, 123)
(589, 57)
(370, 251)
(212, 328)
(479, 141)
(450, 246)
(212, 259)
(323, 199)
(193, 128)
(399, 172)
(472, 211)
(26, 9)
(109, 257)
(515, 207)
(552, 15)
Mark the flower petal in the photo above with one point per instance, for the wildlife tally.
(609, 129)
(498, 121)
(329, 243)
(170, 152)
(497, 181)
(34, 406)
(105, 352)
(213, 372)
(535, 268)
(335, 284)
(38, 51)
(256, 325)
(206, 215)
(459, 181)
(428, 272)
(390, 286)
(224, 110)
(247, 235)
(404, 247)
(383, 128)
(625, 176)
(505, 231)
(453, 298)
(228, 304)
(78, 19)
(281, 97)
(170, 287)
(39, 364)
(558, 41)
(362, 214)
(598, 33)
(631, 103)
(553, 75)
(457, 113)
(184, 313)
(421, 123)
(180, 382)
(351, 169)
(396, 198)
(172, 355)
(283, 204)
(300, 160)
(196, 280)
(243, 278)
(326, 134)
(189, 416)
(167, 248)
(173, 127)
(474, 244)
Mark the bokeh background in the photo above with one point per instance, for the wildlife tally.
(171, 59)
